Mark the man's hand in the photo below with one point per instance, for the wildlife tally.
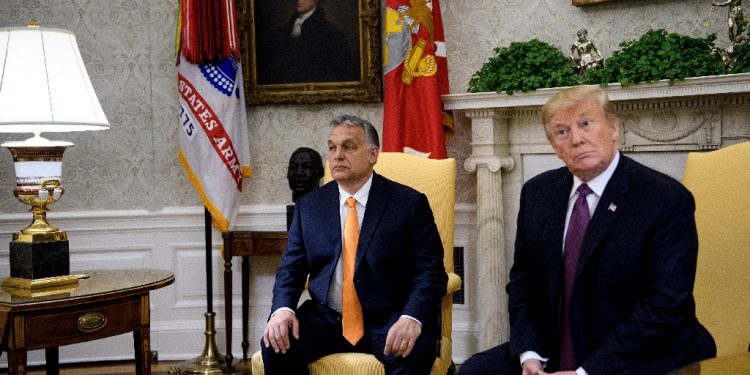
(532, 367)
(276, 333)
(401, 337)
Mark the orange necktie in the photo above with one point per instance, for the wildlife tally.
(351, 314)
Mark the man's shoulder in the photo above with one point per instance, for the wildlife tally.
(641, 176)
(384, 183)
(316, 196)
(549, 178)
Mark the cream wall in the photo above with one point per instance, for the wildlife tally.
(128, 48)
(128, 203)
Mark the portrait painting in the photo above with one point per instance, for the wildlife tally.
(309, 51)
(588, 2)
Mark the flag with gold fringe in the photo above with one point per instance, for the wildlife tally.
(213, 140)
(415, 75)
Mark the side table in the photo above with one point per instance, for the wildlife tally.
(104, 303)
(245, 244)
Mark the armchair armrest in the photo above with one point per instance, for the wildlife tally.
(454, 283)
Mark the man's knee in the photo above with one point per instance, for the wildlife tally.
(493, 361)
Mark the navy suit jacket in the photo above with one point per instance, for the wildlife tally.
(632, 308)
(399, 264)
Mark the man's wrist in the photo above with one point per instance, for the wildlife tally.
(413, 318)
(533, 355)
(282, 309)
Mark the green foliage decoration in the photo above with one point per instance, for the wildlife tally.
(523, 66)
(742, 53)
(658, 55)
(742, 50)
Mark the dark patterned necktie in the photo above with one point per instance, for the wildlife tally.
(579, 220)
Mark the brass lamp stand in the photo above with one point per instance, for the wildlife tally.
(44, 87)
(39, 253)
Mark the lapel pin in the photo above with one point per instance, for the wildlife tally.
(612, 207)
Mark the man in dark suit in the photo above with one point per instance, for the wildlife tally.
(398, 272)
(605, 259)
(307, 49)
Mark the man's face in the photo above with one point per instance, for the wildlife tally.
(583, 138)
(302, 173)
(350, 158)
(304, 6)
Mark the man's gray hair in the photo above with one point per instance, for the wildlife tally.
(371, 134)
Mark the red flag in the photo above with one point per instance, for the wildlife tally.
(415, 75)
(208, 30)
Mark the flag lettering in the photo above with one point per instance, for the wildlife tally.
(213, 128)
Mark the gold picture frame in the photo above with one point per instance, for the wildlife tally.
(273, 75)
(588, 2)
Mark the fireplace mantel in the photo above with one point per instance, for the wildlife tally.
(690, 87)
(659, 123)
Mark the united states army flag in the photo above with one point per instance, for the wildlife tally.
(213, 135)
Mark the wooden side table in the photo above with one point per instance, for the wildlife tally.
(105, 303)
(245, 244)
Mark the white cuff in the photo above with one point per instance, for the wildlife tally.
(533, 355)
(283, 309)
(414, 319)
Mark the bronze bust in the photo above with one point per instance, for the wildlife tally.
(305, 171)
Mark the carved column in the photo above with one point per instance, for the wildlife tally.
(489, 158)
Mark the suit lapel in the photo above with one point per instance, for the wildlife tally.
(557, 209)
(610, 206)
(376, 202)
(330, 217)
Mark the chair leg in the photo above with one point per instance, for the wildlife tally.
(452, 369)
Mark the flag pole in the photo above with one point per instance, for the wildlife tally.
(210, 361)
(209, 264)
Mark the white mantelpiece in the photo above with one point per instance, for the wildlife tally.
(659, 125)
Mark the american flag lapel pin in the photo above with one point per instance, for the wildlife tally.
(612, 207)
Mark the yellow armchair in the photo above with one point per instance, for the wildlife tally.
(720, 182)
(437, 180)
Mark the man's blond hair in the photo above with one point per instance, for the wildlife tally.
(571, 96)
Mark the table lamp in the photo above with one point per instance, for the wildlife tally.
(44, 87)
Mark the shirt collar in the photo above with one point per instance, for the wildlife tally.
(598, 183)
(306, 15)
(361, 195)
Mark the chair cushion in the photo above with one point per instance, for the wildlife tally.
(720, 182)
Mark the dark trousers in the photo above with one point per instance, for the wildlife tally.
(320, 334)
(684, 350)
(493, 361)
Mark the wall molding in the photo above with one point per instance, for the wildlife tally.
(173, 239)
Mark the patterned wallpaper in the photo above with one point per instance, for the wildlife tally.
(128, 48)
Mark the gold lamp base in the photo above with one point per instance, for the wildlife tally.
(18, 287)
(210, 361)
(45, 282)
(40, 251)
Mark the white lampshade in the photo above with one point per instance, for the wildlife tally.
(44, 86)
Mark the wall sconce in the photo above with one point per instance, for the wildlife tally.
(44, 87)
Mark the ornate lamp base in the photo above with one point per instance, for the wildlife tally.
(38, 260)
(41, 287)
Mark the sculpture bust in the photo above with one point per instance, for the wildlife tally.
(305, 171)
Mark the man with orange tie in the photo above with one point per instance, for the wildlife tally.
(375, 264)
